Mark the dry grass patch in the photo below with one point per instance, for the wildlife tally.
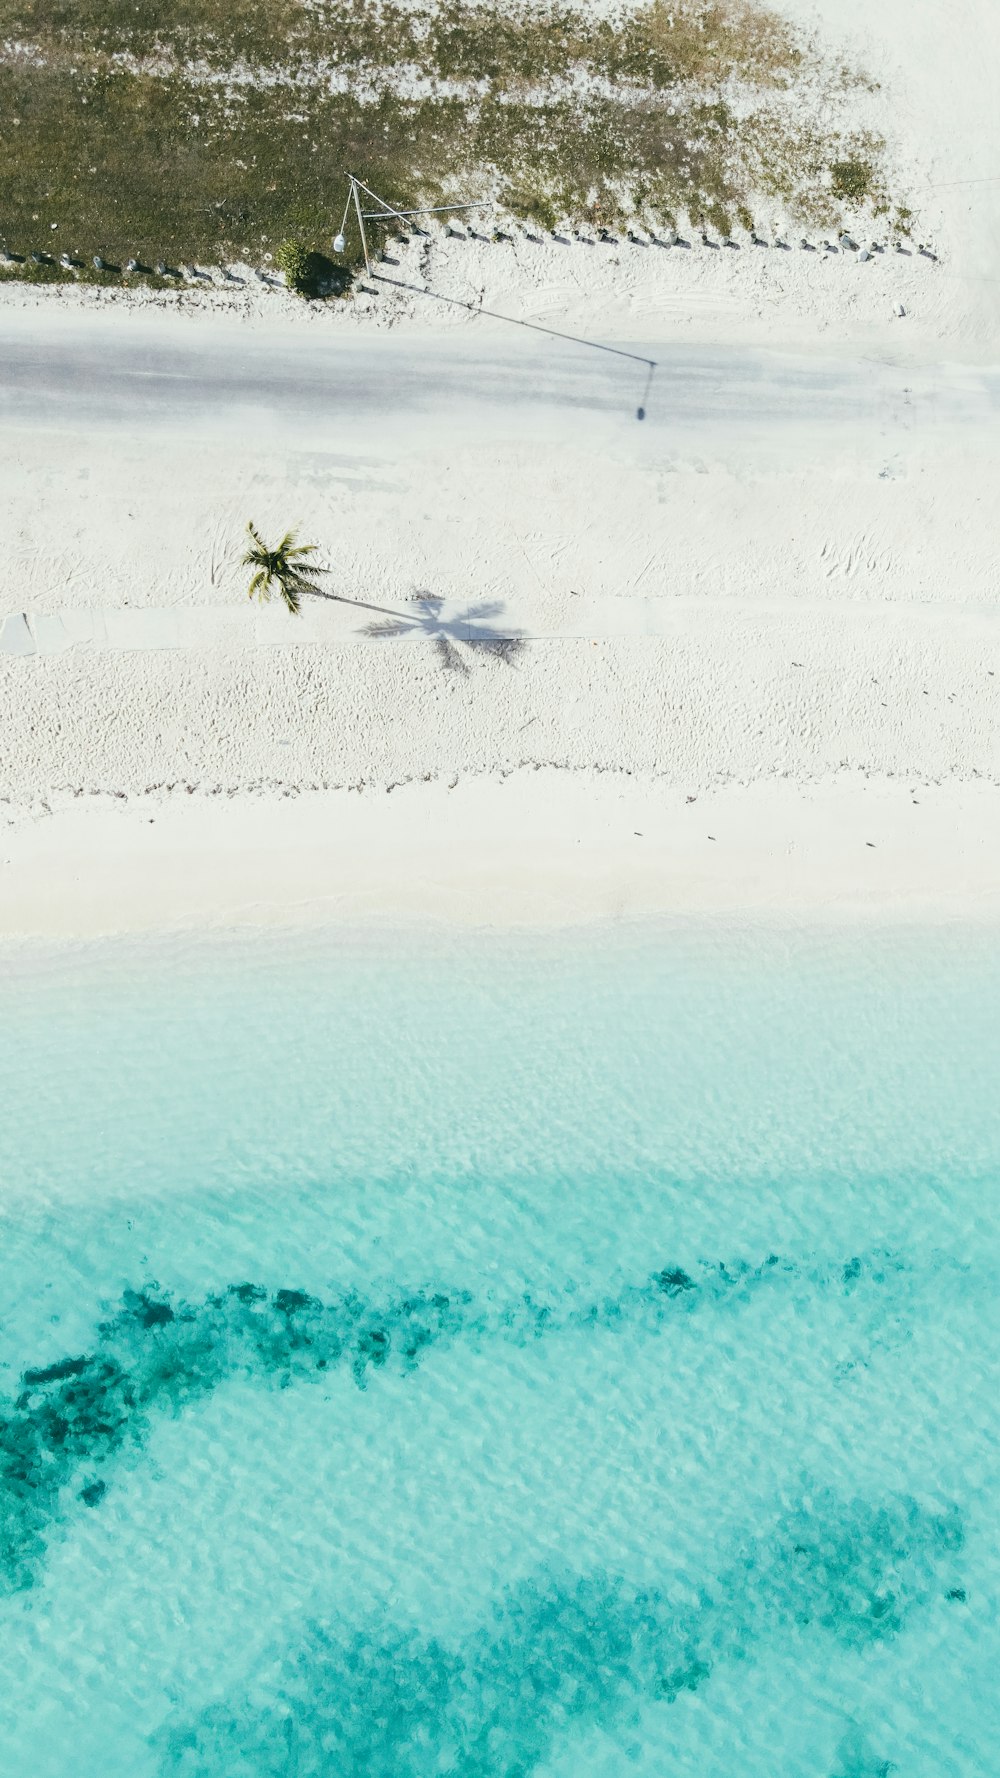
(208, 129)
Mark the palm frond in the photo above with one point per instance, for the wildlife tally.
(392, 627)
(279, 568)
(301, 576)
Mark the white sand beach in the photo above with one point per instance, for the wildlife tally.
(740, 655)
(538, 849)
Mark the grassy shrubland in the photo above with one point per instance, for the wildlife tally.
(215, 129)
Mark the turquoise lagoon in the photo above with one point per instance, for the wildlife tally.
(554, 1356)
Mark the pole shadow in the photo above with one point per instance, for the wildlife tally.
(556, 333)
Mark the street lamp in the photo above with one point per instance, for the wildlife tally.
(382, 214)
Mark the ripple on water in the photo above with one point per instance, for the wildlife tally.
(500, 1359)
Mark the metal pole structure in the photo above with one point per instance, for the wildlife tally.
(401, 215)
(361, 223)
(386, 208)
(382, 215)
(432, 210)
(340, 239)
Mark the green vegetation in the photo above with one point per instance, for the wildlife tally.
(207, 129)
(280, 570)
(293, 259)
(852, 179)
(310, 274)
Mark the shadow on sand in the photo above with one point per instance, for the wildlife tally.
(573, 339)
(475, 627)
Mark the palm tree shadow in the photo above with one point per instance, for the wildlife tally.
(473, 628)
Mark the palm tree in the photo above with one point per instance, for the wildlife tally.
(280, 569)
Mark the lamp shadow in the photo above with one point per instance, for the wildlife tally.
(556, 333)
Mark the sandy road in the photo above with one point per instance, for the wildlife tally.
(138, 373)
(787, 568)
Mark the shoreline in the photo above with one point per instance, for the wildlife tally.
(537, 849)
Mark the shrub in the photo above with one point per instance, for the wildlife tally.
(293, 259)
(852, 179)
(311, 274)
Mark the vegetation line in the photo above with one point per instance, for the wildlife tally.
(131, 131)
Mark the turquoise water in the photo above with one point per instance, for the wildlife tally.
(557, 1357)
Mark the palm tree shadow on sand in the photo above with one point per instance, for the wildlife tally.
(473, 628)
(288, 571)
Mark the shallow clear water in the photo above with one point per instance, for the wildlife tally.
(556, 1356)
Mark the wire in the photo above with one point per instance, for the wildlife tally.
(515, 321)
(435, 210)
(942, 184)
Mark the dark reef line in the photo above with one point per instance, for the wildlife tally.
(154, 1355)
(560, 1652)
